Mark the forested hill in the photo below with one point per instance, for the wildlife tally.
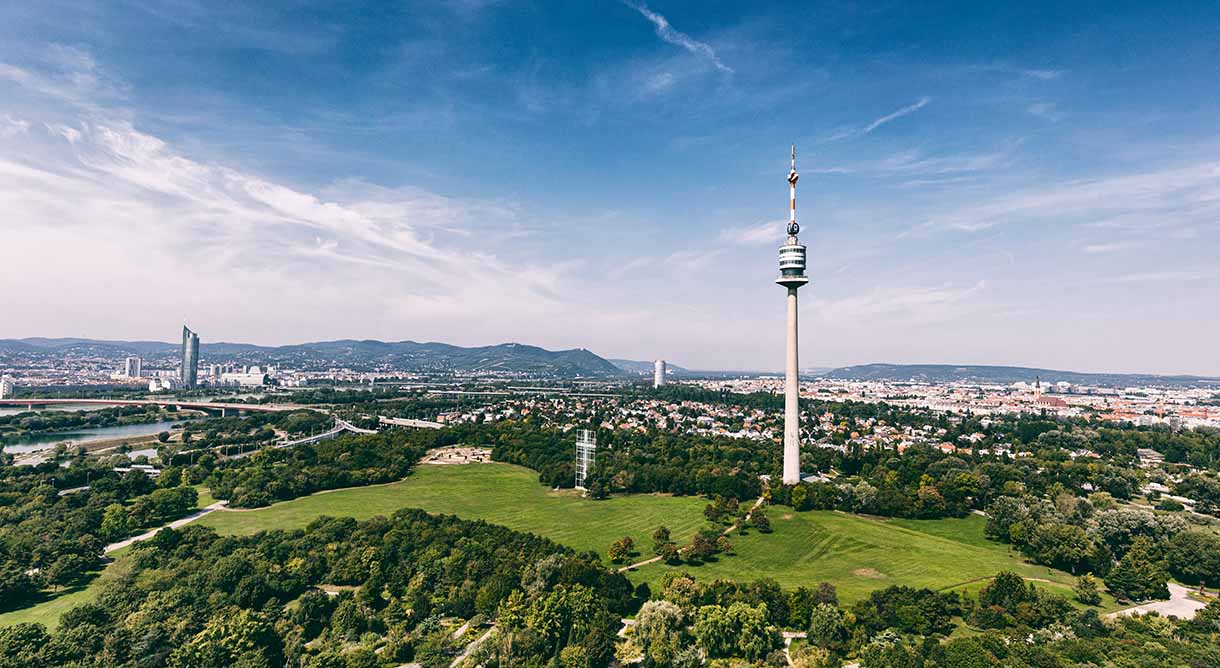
(407, 356)
(1005, 374)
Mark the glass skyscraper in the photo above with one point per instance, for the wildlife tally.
(190, 358)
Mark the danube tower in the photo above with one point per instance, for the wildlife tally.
(792, 276)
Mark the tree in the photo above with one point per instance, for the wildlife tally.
(1140, 575)
(758, 519)
(659, 538)
(163, 437)
(715, 631)
(621, 549)
(116, 523)
(231, 638)
(660, 629)
(1088, 591)
(756, 636)
(827, 627)
(16, 588)
(723, 545)
(1194, 558)
(967, 653)
(1061, 545)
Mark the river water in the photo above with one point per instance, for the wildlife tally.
(36, 442)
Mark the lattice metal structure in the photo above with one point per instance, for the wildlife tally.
(586, 456)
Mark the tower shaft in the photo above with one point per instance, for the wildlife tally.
(792, 391)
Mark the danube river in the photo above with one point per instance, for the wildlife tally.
(36, 442)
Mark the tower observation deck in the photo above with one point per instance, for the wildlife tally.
(792, 276)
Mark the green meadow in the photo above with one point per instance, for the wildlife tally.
(857, 554)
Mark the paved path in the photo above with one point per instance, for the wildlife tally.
(1179, 604)
(113, 547)
(789, 636)
(472, 647)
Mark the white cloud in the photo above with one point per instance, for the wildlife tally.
(1046, 110)
(1111, 247)
(907, 110)
(755, 235)
(912, 304)
(10, 126)
(849, 132)
(668, 34)
(690, 260)
(1176, 276)
(1180, 194)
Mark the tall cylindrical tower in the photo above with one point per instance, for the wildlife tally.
(658, 373)
(792, 276)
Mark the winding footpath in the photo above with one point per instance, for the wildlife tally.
(114, 547)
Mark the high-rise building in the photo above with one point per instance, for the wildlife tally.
(6, 387)
(792, 276)
(133, 367)
(658, 373)
(190, 358)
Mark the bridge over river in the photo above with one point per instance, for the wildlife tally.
(223, 407)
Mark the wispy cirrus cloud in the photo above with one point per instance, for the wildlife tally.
(670, 35)
(899, 113)
(1175, 276)
(1111, 247)
(1047, 110)
(849, 132)
(914, 304)
(754, 235)
(1177, 195)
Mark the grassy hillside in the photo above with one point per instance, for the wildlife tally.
(499, 493)
(859, 554)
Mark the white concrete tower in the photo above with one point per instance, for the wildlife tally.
(792, 276)
(658, 373)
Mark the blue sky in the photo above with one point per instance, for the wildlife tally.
(1019, 183)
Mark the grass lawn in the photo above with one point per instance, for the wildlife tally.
(857, 554)
(498, 493)
(860, 554)
(205, 496)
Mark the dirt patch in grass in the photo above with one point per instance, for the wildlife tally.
(870, 573)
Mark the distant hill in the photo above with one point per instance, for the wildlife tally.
(645, 368)
(407, 356)
(944, 373)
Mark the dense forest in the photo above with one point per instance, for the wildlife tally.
(337, 594)
(275, 474)
(633, 462)
(53, 528)
(1016, 625)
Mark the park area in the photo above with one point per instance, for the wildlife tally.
(857, 554)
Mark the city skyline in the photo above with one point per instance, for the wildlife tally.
(999, 186)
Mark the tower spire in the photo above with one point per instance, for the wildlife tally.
(793, 228)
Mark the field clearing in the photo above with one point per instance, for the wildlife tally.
(498, 493)
(859, 554)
